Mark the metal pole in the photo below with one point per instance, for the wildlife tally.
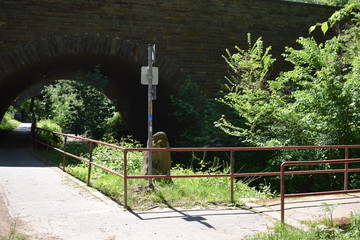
(282, 193)
(232, 176)
(64, 155)
(150, 107)
(125, 180)
(346, 173)
(47, 149)
(89, 166)
(36, 132)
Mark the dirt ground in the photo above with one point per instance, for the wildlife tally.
(5, 220)
(7, 223)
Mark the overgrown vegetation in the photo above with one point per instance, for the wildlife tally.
(339, 229)
(198, 113)
(8, 122)
(178, 192)
(48, 137)
(80, 106)
(316, 103)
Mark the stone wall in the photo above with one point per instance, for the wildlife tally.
(58, 37)
(191, 34)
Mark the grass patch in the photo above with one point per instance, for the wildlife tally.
(184, 192)
(8, 122)
(13, 234)
(340, 229)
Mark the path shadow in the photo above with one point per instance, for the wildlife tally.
(17, 138)
(312, 203)
(14, 148)
(191, 215)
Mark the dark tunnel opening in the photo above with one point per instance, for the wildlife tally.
(124, 88)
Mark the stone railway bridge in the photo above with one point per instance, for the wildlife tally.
(45, 40)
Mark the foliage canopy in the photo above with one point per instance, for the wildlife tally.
(79, 105)
(315, 103)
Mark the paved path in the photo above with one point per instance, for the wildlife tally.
(49, 204)
(310, 208)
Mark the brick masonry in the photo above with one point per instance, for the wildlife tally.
(43, 40)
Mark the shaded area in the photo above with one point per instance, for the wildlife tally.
(124, 88)
(18, 157)
(20, 140)
(174, 213)
(17, 138)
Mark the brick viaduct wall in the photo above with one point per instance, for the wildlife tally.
(60, 37)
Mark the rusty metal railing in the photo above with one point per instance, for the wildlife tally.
(231, 175)
(346, 171)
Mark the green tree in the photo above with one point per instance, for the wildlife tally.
(196, 114)
(249, 93)
(350, 10)
(316, 103)
(79, 105)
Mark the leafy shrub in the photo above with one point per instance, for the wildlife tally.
(316, 103)
(116, 126)
(348, 232)
(196, 113)
(8, 121)
(113, 158)
(80, 106)
(48, 137)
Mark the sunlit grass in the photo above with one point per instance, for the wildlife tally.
(340, 229)
(8, 122)
(184, 192)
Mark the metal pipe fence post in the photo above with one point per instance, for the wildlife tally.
(64, 155)
(47, 149)
(282, 193)
(232, 176)
(35, 136)
(89, 166)
(125, 179)
(346, 173)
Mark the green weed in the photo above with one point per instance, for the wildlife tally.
(186, 192)
(343, 229)
(8, 122)
(13, 234)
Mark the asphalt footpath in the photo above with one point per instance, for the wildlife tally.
(47, 203)
(301, 210)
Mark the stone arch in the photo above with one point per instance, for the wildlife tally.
(61, 57)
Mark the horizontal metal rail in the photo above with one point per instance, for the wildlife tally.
(232, 175)
(346, 170)
(208, 149)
